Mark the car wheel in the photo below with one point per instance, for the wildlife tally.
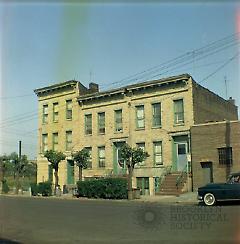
(209, 199)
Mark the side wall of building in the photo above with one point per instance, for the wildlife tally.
(209, 107)
(205, 140)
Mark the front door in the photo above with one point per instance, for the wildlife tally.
(181, 156)
(70, 172)
(143, 185)
(117, 169)
(207, 172)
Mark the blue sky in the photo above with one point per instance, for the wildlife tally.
(42, 44)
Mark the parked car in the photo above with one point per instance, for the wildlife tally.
(211, 193)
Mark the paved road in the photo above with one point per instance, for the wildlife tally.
(39, 220)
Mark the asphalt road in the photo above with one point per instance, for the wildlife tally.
(51, 220)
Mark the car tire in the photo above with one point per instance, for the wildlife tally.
(209, 199)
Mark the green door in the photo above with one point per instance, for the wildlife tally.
(117, 169)
(143, 185)
(70, 172)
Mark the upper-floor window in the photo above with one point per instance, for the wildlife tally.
(140, 116)
(178, 111)
(55, 112)
(156, 114)
(69, 109)
(101, 157)
(89, 149)
(88, 124)
(101, 123)
(225, 155)
(118, 120)
(55, 141)
(157, 153)
(44, 143)
(142, 146)
(68, 140)
(45, 114)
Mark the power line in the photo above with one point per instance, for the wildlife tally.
(219, 68)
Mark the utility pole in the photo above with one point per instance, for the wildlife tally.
(18, 166)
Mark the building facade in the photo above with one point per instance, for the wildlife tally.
(215, 151)
(155, 115)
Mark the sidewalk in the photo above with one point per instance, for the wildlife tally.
(189, 197)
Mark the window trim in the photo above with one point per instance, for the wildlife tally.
(85, 124)
(68, 110)
(99, 128)
(118, 129)
(68, 149)
(141, 119)
(55, 112)
(183, 111)
(54, 143)
(45, 115)
(152, 105)
(103, 165)
(154, 153)
(225, 156)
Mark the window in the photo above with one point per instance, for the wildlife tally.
(55, 141)
(44, 143)
(157, 153)
(68, 140)
(118, 120)
(142, 146)
(45, 114)
(156, 114)
(69, 109)
(101, 123)
(225, 155)
(89, 149)
(88, 124)
(140, 116)
(178, 111)
(101, 157)
(55, 112)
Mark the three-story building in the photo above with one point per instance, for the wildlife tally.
(154, 115)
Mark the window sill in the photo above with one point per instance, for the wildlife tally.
(158, 166)
(88, 134)
(118, 132)
(101, 134)
(143, 128)
(157, 127)
(55, 122)
(179, 124)
(69, 119)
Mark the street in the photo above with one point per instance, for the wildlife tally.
(51, 220)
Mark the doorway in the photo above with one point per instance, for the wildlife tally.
(207, 172)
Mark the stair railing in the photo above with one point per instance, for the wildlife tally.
(179, 179)
(167, 170)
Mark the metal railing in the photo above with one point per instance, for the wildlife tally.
(180, 178)
(167, 170)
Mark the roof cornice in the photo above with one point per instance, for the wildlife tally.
(134, 87)
(47, 89)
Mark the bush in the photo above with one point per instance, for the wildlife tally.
(108, 188)
(34, 189)
(5, 188)
(45, 188)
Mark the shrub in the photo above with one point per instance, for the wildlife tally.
(45, 188)
(5, 188)
(34, 189)
(108, 188)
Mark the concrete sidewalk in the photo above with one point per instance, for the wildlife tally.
(189, 197)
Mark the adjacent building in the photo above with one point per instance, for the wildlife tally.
(215, 150)
(154, 115)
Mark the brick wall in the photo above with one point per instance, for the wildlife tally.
(205, 141)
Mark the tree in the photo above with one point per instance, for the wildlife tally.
(131, 157)
(82, 159)
(54, 158)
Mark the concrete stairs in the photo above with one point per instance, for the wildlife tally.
(169, 187)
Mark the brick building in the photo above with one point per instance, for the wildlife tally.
(215, 151)
(155, 115)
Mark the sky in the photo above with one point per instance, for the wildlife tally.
(110, 44)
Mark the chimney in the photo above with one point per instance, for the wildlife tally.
(231, 100)
(93, 87)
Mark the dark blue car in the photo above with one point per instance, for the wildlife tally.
(211, 193)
